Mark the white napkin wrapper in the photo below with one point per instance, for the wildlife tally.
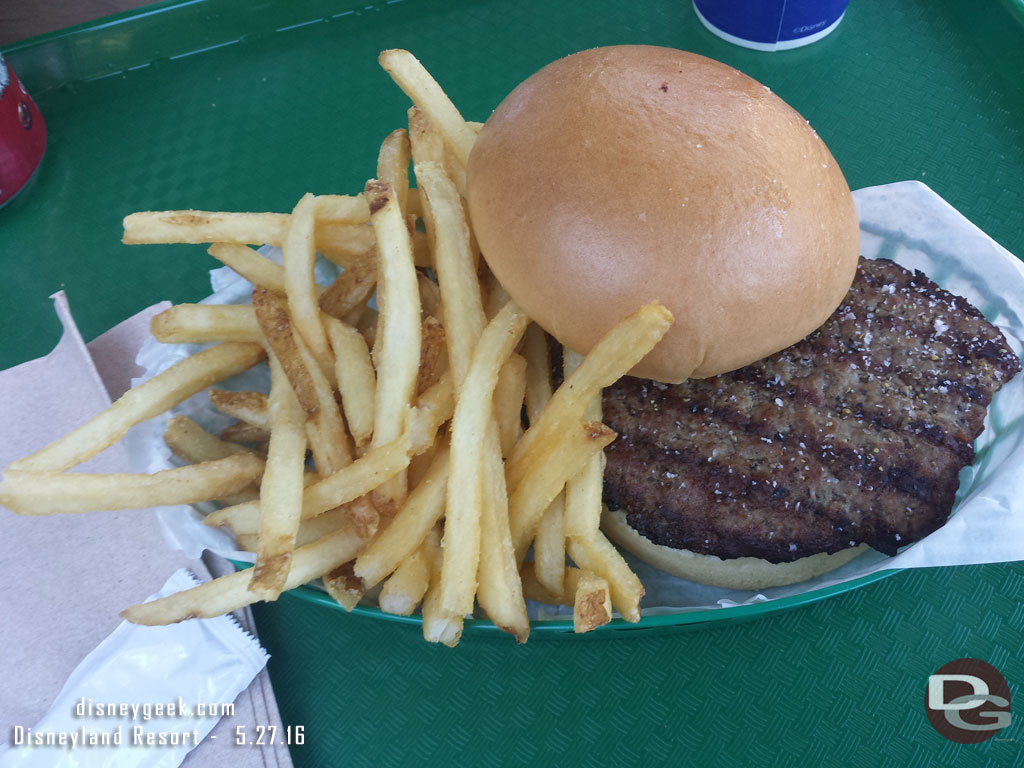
(906, 222)
(145, 696)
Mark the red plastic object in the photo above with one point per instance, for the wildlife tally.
(22, 135)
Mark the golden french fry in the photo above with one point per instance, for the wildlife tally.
(189, 441)
(282, 487)
(406, 532)
(425, 93)
(508, 402)
(433, 355)
(204, 227)
(48, 492)
(200, 323)
(584, 490)
(538, 593)
(549, 547)
(597, 554)
(470, 436)
(357, 381)
(299, 257)
(538, 371)
(357, 479)
(345, 244)
(430, 296)
(250, 407)
(611, 358)
(351, 289)
(592, 606)
(461, 301)
(344, 586)
(500, 590)
(255, 268)
(438, 625)
(433, 408)
(231, 592)
(563, 458)
(398, 333)
(324, 426)
(240, 432)
(393, 166)
(456, 170)
(162, 392)
(427, 144)
(342, 209)
(405, 588)
(333, 237)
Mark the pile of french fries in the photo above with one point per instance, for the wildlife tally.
(425, 480)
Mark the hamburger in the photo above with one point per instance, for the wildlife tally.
(806, 403)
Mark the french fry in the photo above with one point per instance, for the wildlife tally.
(345, 244)
(299, 257)
(344, 586)
(189, 441)
(538, 371)
(597, 554)
(567, 453)
(231, 592)
(424, 91)
(162, 392)
(398, 334)
(282, 488)
(592, 606)
(584, 490)
(433, 355)
(351, 289)
(250, 407)
(406, 532)
(433, 408)
(204, 227)
(357, 381)
(47, 492)
(240, 432)
(393, 166)
(549, 546)
(430, 296)
(537, 592)
(427, 144)
(342, 209)
(470, 435)
(508, 402)
(461, 302)
(405, 588)
(200, 323)
(347, 484)
(500, 590)
(324, 426)
(255, 268)
(439, 626)
(611, 358)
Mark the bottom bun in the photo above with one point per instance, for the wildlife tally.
(735, 573)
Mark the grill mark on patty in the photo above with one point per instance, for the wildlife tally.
(855, 434)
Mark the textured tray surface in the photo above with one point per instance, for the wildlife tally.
(263, 110)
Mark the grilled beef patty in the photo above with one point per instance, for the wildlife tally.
(854, 435)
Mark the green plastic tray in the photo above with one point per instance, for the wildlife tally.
(225, 104)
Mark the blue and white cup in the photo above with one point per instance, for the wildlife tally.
(770, 25)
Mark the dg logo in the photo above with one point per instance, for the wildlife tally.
(967, 701)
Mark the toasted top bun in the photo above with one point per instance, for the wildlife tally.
(620, 175)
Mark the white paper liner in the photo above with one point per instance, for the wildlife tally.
(906, 222)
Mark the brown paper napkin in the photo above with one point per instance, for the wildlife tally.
(64, 579)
